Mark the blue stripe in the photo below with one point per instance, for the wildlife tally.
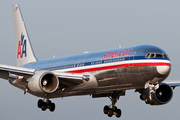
(104, 61)
(93, 58)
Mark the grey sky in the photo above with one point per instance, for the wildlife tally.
(65, 27)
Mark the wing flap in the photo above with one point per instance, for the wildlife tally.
(4, 74)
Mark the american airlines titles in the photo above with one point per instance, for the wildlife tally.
(116, 54)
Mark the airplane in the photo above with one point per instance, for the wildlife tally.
(106, 73)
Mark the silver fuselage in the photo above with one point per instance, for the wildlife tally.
(116, 69)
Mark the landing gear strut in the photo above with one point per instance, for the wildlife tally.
(46, 105)
(110, 111)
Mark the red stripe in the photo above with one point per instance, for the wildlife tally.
(118, 66)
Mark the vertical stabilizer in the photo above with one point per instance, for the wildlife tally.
(24, 51)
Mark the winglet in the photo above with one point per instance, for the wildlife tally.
(24, 51)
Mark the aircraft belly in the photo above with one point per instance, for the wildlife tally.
(128, 78)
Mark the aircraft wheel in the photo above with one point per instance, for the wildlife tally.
(147, 100)
(118, 113)
(106, 108)
(115, 108)
(141, 97)
(49, 102)
(52, 107)
(152, 102)
(44, 106)
(40, 102)
(110, 112)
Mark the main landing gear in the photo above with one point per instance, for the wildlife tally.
(110, 111)
(113, 110)
(46, 104)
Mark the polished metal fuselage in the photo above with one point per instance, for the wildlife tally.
(113, 72)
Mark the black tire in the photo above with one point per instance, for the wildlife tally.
(110, 112)
(106, 108)
(141, 97)
(147, 100)
(152, 102)
(52, 107)
(40, 102)
(118, 113)
(44, 106)
(115, 108)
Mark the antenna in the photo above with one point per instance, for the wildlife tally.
(86, 51)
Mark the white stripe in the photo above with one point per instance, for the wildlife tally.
(114, 63)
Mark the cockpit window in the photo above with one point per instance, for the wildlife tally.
(159, 55)
(166, 56)
(152, 55)
(156, 55)
(148, 55)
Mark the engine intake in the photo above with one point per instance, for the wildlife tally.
(43, 82)
(161, 96)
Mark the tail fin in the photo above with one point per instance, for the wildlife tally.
(24, 51)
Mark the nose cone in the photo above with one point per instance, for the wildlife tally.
(164, 70)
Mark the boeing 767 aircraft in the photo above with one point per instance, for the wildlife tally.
(106, 73)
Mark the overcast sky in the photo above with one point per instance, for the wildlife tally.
(65, 27)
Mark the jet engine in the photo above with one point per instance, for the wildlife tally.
(160, 96)
(43, 82)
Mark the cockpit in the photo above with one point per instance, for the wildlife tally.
(156, 55)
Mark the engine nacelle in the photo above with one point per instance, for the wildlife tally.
(43, 82)
(161, 96)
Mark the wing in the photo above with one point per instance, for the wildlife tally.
(6, 72)
(173, 83)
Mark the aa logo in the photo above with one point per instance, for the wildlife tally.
(21, 47)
